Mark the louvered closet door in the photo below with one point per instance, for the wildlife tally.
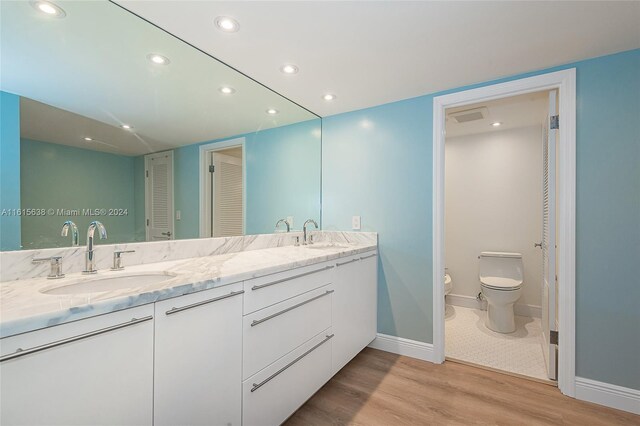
(227, 196)
(549, 290)
(159, 196)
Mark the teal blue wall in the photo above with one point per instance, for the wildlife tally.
(377, 163)
(283, 176)
(9, 170)
(186, 166)
(282, 173)
(63, 177)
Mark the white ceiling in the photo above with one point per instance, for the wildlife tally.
(42, 122)
(92, 67)
(513, 112)
(370, 53)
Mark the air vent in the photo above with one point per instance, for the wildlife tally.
(470, 115)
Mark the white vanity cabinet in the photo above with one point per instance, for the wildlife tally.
(354, 307)
(96, 371)
(248, 353)
(299, 328)
(286, 341)
(198, 358)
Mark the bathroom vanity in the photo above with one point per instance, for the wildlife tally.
(233, 337)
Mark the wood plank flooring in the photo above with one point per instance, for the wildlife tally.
(380, 388)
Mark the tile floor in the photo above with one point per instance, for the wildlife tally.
(468, 339)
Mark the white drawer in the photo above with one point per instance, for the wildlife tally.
(271, 289)
(272, 395)
(273, 332)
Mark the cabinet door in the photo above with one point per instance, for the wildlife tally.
(272, 332)
(97, 371)
(354, 307)
(276, 392)
(198, 358)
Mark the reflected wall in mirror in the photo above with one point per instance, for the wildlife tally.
(106, 117)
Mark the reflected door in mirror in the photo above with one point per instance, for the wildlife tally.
(159, 196)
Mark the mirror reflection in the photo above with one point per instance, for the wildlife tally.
(106, 117)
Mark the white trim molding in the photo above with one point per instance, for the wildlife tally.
(204, 228)
(565, 82)
(402, 346)
(614, 396)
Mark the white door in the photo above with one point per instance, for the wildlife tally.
(159, 196)
(226, 184)
(548, 246)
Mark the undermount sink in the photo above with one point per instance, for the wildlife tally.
(97, 284)
(320, 246)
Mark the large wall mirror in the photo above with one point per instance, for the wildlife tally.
(107, 117)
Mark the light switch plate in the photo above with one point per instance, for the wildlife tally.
(178, 214)
(355, 223)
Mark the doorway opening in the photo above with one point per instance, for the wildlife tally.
(499, 202)
(222, 189)
(499, 217)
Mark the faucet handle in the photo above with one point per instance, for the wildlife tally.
(56, 266)
(117, 259)
(296, 241)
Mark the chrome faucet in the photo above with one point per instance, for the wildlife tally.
(286, 222)
(304, 232)
(56, 266)
(74, 232)
(89, 267)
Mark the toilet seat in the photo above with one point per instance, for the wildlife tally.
(501, 283)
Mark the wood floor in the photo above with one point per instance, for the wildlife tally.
(380, 388)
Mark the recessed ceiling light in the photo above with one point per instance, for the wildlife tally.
(226, 24)
(158, 59)
(88, 139)
(496, 124)
(289, 69)
(227, 90)
(49, 8)
(329, 97)
(126, 127)
(272, 111)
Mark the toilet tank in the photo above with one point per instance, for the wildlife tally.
(495, 264)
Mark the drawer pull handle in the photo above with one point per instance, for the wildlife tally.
(22, 352)
(257, 386)
(258, 287)
(347, 262)
(260, 321)
(366, 257)
(204, 302)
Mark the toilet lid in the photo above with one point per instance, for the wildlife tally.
(501, 283)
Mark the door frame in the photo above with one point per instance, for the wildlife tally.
(205, 151)
(565, 82)
(147, 194)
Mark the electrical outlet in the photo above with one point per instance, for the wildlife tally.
(178, 214)
(355, 223)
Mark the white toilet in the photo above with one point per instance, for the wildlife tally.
(501, 276)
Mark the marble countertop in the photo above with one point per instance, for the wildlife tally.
(24, 308)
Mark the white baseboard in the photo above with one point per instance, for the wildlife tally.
(471, 302)
(402, 346)
(613, 396)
